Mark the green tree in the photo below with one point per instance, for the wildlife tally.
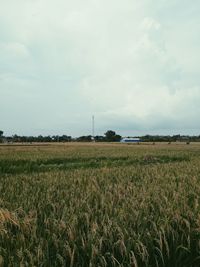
(1, 135)
(87, 138)
(111, 136)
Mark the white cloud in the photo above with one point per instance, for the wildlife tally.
(16, 50)
(150, 23)
(135, 61)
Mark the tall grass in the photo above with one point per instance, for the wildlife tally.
(98, 205)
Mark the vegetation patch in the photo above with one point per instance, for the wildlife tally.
(42, 165)
(115, 206)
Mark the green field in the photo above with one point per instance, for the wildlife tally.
(100, 205)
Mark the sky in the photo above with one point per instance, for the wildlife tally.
(133, 64)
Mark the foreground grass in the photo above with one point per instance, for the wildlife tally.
(100, 205)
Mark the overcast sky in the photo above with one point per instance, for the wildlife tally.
(134, 64)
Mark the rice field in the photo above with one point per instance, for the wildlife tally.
(100, 205)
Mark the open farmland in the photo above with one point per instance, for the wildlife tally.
(100, 205)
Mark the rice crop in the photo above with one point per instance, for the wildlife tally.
(100, 205)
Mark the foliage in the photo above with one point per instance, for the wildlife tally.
(1, 135)
(87, 138)
(111, 136)
(100, 205)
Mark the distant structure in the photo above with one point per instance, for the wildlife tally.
(130, 140)
(93, 138)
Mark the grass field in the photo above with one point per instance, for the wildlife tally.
(100, 205)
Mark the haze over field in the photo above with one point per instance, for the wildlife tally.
(133, 64)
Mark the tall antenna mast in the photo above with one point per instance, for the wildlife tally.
(93, 127)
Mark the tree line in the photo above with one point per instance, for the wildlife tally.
(109, 136)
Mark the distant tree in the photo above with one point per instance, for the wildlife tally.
(99, 138)
(55, 138)
(62, 138)
(39, 138)
(87, 138)
(176, 137)
(16, 138)
(1, 135)
(111, 136)
(24, 139)
(47, 139)
(117, 138)
(65, 138)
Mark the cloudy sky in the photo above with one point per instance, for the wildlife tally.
(134, 64)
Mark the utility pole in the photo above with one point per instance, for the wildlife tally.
(93, 128)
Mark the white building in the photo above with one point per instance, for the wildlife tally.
(130, 140)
